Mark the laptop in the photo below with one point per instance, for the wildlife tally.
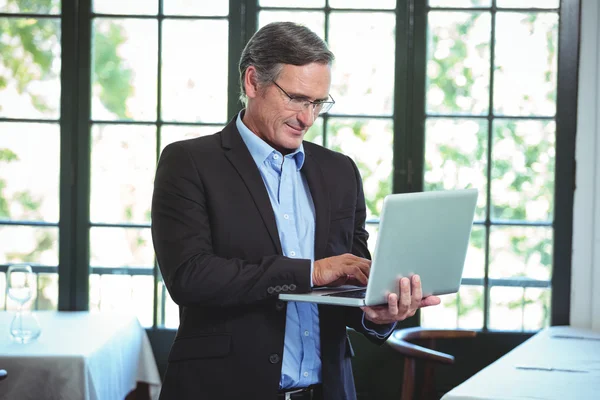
(424, 233)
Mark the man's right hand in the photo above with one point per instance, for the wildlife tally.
(341, 270)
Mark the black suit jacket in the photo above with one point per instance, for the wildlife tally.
(218, 249)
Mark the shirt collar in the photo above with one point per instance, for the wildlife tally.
(261, 150)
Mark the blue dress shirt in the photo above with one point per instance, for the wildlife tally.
(295, 216)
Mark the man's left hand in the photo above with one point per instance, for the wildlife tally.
(401, 307)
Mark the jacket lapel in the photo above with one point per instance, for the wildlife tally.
(237, 153)
(320, 195)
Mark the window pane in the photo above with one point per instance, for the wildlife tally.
(379, 4)
(366, 87)
(195, 7)
(123, 294)
(528, 3)
(313, 20)
(45, 289)
(28, 192)
(170, 318)
(124, 74)
(292, 3)
(523, 170)
(456, 156)
(123, 166)
(194, 86)
(373, 230)
(506, 308)
(521, 252)
(537, 308)
(458, 66)
(3, 293)
(470, 307)
(27, 244)
(526, 88)
(47, 292)
(37, 7)
(443, 316)
(460, 3)
(369, 143)
(170, 133)
(146, 7)
(475, 260)
(315, 133)
(30, 68)
(121, 247)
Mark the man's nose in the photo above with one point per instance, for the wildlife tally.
(307, 115)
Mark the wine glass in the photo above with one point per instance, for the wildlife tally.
(20, 286)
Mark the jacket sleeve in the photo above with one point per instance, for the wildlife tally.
(181, 234)
(355, 316)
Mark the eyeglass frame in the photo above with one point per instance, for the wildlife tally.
(305, 101)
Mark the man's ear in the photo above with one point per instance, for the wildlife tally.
(251, 82)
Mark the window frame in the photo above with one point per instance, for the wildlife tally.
(408, 117)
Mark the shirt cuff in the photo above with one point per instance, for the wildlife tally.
(379, 331)
(312, 266)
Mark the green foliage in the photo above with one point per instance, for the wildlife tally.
(6, 155)
(527, 182)
(27, 53)
(110, 72)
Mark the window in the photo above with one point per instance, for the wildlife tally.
(361, 123)
(490, 100)
(30, 145)
(429, 95)
(159, 75)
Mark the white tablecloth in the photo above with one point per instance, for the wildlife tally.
(538, 376)
(78, 356)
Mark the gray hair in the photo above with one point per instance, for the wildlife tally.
(281, 43)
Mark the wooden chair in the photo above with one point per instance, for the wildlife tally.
(402, 340)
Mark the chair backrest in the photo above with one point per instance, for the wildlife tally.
(402, 340)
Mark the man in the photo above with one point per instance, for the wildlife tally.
(253, 211)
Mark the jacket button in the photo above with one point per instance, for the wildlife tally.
(270, 290)
(279, 305)
(274, 358)
(285, 288)
(292, 287)
(278, 288)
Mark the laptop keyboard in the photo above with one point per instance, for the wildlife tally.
(354, 294)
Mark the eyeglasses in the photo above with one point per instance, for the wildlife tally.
(302, 103)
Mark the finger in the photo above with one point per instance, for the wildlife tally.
(361, 277)
(417, 290)
(393, 304)
(404, 293)
(370, 313)
(430, 301)
(360, 272)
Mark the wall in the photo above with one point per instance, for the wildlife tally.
(585, 283)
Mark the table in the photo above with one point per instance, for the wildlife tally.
(78, 356)
(559, 362)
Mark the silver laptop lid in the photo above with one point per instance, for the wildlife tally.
(425, 233)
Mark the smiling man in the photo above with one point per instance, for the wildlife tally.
(253, 211)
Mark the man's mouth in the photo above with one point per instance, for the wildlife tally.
(296, 128)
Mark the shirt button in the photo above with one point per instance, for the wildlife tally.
(274, 358)
(306, 333)
(275, 156)
(305, 374)
(286, 216)
(292, 253)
